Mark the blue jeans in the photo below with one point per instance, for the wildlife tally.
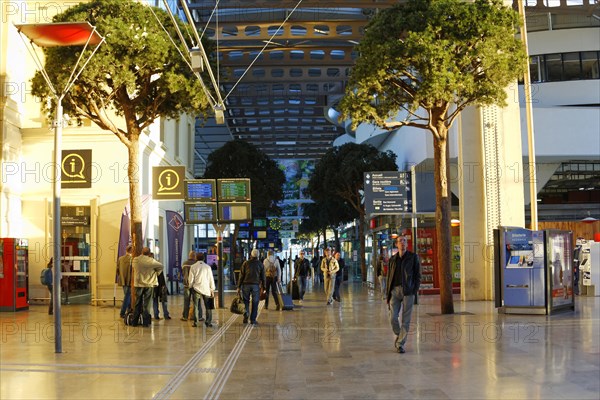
(186, 302)
(164, 308)
(302, 286)
(253, 290)
(126, 300)
(398, 301)
(198, 299)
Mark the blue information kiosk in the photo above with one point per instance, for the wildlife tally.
(533, 273)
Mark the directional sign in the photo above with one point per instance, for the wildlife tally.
(388, 192)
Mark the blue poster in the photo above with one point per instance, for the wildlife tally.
(175, 230)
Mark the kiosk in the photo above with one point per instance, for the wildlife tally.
(533, 273)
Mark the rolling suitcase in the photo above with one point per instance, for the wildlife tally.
(285, 300)
(294, 289)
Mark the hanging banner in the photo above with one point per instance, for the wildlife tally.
(125, 231)
(175, 230)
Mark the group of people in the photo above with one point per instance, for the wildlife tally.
(399, 280)
(149, 283)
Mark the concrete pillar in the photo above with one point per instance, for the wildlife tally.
(491, 190)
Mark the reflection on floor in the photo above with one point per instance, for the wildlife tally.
(342, 351)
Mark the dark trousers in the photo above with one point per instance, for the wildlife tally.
(51, 305)
(142, 301)
(247, 291)
(302, 286)
(339, 277)
(186, 302)
(126, 300)
(272, 287)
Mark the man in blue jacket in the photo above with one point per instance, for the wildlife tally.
(403, 280)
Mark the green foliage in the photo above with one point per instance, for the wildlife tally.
(430, 54)
(326, 213)
(137, 73)
(339, 175)
(240, 159)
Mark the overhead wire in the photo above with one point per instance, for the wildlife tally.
(188, 15)
(212, 101)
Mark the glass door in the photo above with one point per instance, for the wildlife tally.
(75, 260)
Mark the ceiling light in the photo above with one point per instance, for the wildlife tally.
(288, 142)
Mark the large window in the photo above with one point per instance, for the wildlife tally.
(558, 67)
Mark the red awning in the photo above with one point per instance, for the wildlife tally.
(60, 34)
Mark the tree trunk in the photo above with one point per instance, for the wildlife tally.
(361, 239)
(336, 236)
(442, 220)
(135, 200)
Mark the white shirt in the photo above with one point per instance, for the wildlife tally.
(201, 278)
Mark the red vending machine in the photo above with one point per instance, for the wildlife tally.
(14, 274)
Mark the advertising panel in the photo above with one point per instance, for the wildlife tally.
(559, 253)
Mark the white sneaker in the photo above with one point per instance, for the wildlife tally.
(300, 301)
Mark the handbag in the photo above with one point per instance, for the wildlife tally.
(263, 294)
(209, 303)
(237, 305)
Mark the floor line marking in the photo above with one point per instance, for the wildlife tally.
(215, 389)
(178, 378)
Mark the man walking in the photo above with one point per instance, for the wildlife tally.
(202, 287)
(329, 267)
(301, 273)
(185, 271)
(252, 277)
(403, 281)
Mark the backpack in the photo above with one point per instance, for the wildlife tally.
(46, 277)
(271, 270)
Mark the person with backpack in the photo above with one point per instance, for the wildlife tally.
(273, 275)
(46, 280)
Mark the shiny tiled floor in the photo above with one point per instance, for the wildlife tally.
(344, 351)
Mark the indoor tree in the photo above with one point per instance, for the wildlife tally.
(420, 64)
(339, 178)
(135, 77)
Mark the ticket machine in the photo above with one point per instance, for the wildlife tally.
(14, 274)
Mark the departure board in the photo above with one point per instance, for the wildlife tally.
(234, 189)
(200, 190)
(231, 212)
(200, 213)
